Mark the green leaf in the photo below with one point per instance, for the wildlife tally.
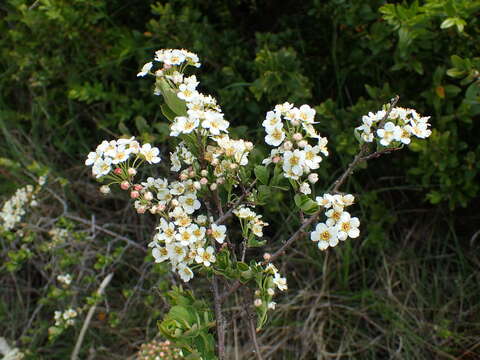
(167, 112)
(447, 23)
(306, 204)
(262, 174)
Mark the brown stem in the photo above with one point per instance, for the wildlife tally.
(219, 319)
(253, 333)
(229, 213)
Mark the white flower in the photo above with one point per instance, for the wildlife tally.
(334, 215)
(325, 235)
(312, 159)
(93, 157)
(214, 122)
(218, 232)
(65, 279)
(185, 236)
(272, 120)
(271, 305)
(280, 282)
(189, 203)
(102, 167)
(120, 155)
(348, 227)
(205, 256)
(145, 69)
(293, 162)
(186, 274)
(187, 92)
(275, 136)
(176, 252)
(160, 254)
(306, 114)
(150, 153)
(389, 132)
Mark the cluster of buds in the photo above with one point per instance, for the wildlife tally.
(159, 350)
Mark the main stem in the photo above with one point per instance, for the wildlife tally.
(219, 319)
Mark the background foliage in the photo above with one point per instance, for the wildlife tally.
(407, 288)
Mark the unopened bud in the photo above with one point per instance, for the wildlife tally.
(276, 159)
(215, 162)
(197, 185)
(302, 144)
(248, 145)
(204, 172)
(271, 292)
(233, 166)
(160, 207)
(313, 178)
(104, 189)
(125, 185)
(209, 232)
(295, 122)
(191, 173)
(175, 202)
(183, 176)
(287, 145)
(257, 292)
(132, 171)
(213, 187)
(204, 181)
(117, 171)
(257, 302)
(148, 196)
(220, 180)
(141, 209)
(134, 194)
(297, 137)
(267, 256)
(138, 187)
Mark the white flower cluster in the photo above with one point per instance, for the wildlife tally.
(288, 129)
(66, 318)
(65, 279)
(252, 220)
(398, 128)
(8, 352)
(339, 224)
(15, 208)
(116, 153)
(181, 238)
(276, 280)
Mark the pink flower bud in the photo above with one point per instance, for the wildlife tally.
(141, 209)
(302, 144)
(297, 137)
(138, 187)
(209, 232)
(191, 173)
(160, 207)
(117, 171)
(276, 159)
(257, 302)
(204, 181)
(267, 256)
(134, 194)
(125, 185)
(132, 171)
(287, 145)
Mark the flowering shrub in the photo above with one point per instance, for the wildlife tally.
(214, 181)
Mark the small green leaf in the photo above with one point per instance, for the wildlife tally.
(262, 174)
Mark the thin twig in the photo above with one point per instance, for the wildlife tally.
(229, 213)
(219, 319)
(100, 291)
(253, 333)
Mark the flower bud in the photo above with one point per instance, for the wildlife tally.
(138, 187)
(125, 185)
(215, 162)
(276, 159)
(257, 292)
(209, 232)
(134, 194)
(204, 172)
(267, 256)
(204, 181)
(191, 173)
(105, 189)
(220, 180)
(160, 207)
(233, 166)
(297, 137)
(132, 171)
(148, 196)
(271, 292)
(141, 209)
(197, 185)
(175, 202)
(257, 302)
(313, 178)
(213, 187)
(183, 176)
(295, 122)
(287, 145)
(302, 143)
(248, 145)
(117, 171)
